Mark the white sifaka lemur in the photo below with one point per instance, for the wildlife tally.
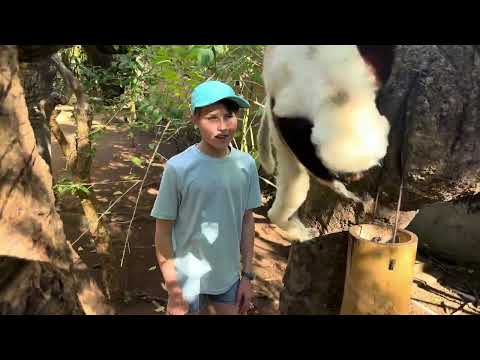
(321, 116)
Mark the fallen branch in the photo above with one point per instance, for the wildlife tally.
(423, 285)
(460, 308)
(474, 299)
(466, 296)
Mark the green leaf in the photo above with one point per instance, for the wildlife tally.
(149, 108)
(83, 188)
(136, 161)
(170, 75)
(151, 146)
(176, 113)
(205, 57)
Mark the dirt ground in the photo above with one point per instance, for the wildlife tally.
(112, 172)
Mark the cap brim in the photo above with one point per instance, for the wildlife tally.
(240, 101)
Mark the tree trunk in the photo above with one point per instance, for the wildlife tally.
(37, 81)
(39, 273)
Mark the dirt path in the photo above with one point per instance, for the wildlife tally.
(113, 168)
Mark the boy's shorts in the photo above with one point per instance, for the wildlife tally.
(201, 301)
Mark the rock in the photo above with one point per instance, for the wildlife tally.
(451, 230)
(432, 100)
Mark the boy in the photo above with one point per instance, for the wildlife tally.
(205, 225)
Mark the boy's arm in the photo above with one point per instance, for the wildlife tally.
(254, 200)
(166, 261)
(164, 251)
(247, 241)
(244, 292)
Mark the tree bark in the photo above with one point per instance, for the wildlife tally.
(38, 271)
(38, 83)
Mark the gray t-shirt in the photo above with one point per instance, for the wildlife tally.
(207, 197)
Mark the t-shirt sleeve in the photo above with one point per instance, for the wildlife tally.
(167, 201)
(254, 195)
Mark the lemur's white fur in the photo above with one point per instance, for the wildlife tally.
(292, 181)
(332, 86)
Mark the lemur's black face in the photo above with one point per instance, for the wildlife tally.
(296, 132)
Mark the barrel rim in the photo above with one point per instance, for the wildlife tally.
(413, 237)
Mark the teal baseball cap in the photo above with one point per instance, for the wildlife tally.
(211, 91)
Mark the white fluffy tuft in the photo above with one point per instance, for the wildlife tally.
(332, 86)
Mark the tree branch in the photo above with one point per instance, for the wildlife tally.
(48, 111)
(80, 166)
(68, 148)
(78, 155)
(66, 75)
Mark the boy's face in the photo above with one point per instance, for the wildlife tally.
(217, 125)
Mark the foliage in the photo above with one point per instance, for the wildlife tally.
(66, 185)
(181, 68)
(157, 81)
(137, 161)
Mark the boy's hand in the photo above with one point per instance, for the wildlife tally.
(176, 303)
(244, 296)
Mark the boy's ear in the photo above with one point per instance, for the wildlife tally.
(194, 119)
